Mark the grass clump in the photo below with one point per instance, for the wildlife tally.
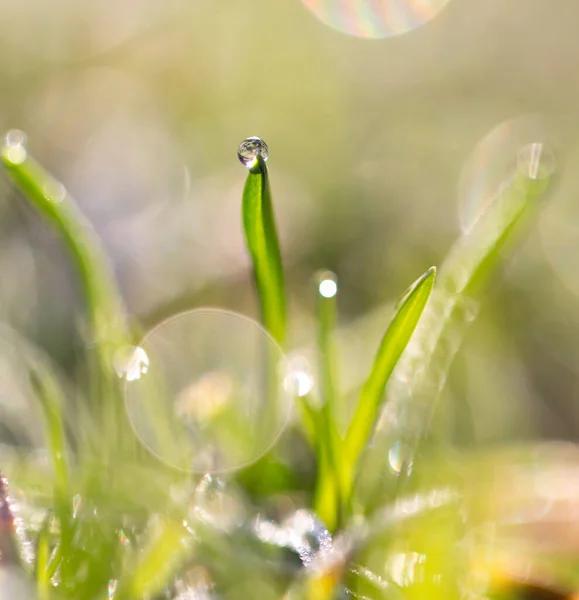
(118, 523)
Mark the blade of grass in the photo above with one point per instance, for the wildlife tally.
(263, 245)
(391, 348)
(48, 197)
(421, 374)
(327, 496)
(157, 563)
(107, 324)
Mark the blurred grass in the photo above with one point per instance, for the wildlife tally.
(352, 145)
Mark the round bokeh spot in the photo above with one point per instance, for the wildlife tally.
(212, 397)
(375, 18)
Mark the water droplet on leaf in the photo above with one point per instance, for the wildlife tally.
(250, 149)
(14, 147)
(536, 161)
(328, 286)
(400, 458)
(518, 145)
(302, 532)
(131, 362)
(299, 380)
(54, 191)
(215, 505)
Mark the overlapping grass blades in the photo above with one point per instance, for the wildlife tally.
(48, 197)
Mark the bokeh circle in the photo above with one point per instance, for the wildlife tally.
(375, 19)
(212, 397)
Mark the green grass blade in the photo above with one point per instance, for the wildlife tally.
(158, 561)
(51, 401)
(327, 497)
(391, 348)
(421, 373)
(476, 256)
(48, 197)
(263, 245)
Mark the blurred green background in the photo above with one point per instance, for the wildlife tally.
(376, 165)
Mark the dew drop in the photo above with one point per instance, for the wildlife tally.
(54, 191)
(328, 286)
(130, 362)
(215, 505)
(298, 380)
(14, 147)
(250, 149)
(536, 161)
(301, 531)
(520, 146)
(399, 458)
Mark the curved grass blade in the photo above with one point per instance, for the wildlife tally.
(107, 327)
(49, 198)
(391, 348)
(421, 374)
(263, 245)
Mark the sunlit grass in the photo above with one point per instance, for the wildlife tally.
(123, 525)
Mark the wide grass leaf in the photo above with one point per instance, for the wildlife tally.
(391, 348)
(263, 245)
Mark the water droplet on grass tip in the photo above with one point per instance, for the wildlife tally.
(400, 458)
(299, 380)
(536, 161)
(130, 362)
(250, 149)
(14, 147)
(54, 191)
(328, 286)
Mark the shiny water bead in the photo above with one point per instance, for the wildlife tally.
(14, 147)
(130, 362)
(328, 284)
(536, 161)
(250, 149)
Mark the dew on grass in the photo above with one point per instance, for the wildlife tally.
(375, 19)
(298, 380)
(112, 588)
(518, 146)
(536, 161)
(14, 147)
(250, 149)
(54, 191)
(130, 362)
(215, 504)
(213, 397)
(301, 532)
(400, 458)
(328, 284)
